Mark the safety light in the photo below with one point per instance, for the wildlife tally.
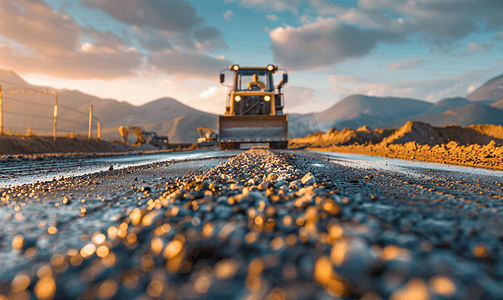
(237, 98)
(270, 67)
(235, 67)
(267, 97)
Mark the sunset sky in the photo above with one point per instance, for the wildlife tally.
(141, 50)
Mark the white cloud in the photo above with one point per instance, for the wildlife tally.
(228, 15)
(272, 17)
(54, 44)
(323, 42)
(267, 29)
(187, 65)
(354, 32)
(208, 92)
(306, 19)
(221, 57)
(406, 64)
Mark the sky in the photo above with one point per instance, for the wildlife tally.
(141, 50)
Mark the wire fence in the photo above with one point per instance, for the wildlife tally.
(28, 111)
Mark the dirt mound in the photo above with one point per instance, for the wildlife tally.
(490, 130)
(347, 136)
(421, 133)
(475, 145)
(472, 135)
(30, 145)
(418, 132)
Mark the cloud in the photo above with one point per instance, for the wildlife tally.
(306, 19)
(228, 15)
(173, 15)
(267, 29)
(151, 40)
(439, 23)
(209, 38)
(208, 92)
(475, 47)
(272, 17)
(406, 64)
(354, 32)
(52, 43)
(160, 24)
(187, 65)
(324, 42)
(274, 5)
(297, 95)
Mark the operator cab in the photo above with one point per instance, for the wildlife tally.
(253, 91)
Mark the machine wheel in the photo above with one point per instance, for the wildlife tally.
(229, 146)
(278, 145)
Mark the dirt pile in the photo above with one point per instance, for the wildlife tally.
(10, 144)
(418, 132)
(347, 136)
(475, 145)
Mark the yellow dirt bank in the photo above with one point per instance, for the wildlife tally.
(475, 145)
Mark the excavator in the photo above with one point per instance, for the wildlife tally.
(254, 109)
(207, 134)
(143, 137)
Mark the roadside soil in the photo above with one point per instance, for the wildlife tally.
(474, 146)
(12, 144)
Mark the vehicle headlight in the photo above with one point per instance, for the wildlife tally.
(267, 98)
(237, 98)
(270, 67)
(235, 67)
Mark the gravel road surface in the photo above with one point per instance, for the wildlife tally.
(256, 225)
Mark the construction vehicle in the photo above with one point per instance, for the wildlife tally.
(143, 137)
(254, 109)
(208, 137)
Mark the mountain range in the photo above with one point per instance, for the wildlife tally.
(179, 122)
(483, 106)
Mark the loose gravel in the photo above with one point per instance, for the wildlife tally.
(260, 225)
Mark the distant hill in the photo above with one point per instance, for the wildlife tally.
(170, 117)
(474, 113)
(367, 110)
(167, 116)
(447, 104)
(498, 104)
(490, 91)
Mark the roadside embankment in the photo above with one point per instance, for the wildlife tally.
(475, 145)
(10, 144)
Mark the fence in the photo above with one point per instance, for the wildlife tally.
(24, 110)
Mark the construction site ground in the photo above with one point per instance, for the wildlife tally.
(255, 224)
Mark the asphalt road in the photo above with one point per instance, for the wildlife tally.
(364, 227)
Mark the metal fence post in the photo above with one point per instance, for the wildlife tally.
(1, 112)
(99, 131)
(55, 115)
(90, 121)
